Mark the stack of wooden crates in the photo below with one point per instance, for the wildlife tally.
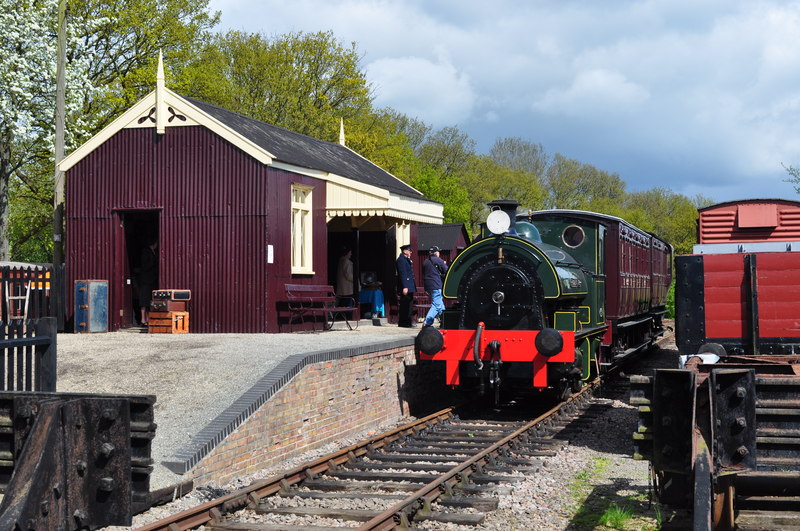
(168, 313)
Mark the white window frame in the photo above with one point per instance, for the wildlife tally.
(302, 231)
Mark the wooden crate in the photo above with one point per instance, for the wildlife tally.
(168, 323)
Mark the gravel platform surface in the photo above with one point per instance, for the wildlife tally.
(195, 377)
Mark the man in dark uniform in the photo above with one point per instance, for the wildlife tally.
(433, 272)
(406, 286)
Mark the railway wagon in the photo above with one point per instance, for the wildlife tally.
(723, 430)
(546, 299)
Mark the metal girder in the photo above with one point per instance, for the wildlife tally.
(674, 395)
(74, 470)
(733, 396)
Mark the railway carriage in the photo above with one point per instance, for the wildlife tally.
(545, 299)
(723, 431)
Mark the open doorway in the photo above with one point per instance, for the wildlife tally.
(141, 263)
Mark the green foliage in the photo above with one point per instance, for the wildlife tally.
(449, 150)
(487, 180)
(670, 304)
(304, 82)
(111, 62)
(446, 190)
(576, 185)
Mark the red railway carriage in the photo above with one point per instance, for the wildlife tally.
(741, 287)
(637, 276)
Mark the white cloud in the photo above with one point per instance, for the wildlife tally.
(596, 91)
(701, 94)
(433, 91)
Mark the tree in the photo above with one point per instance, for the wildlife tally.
(27, 99)
(448, 150)
(445, 189)
(667, 214)
(125, 44)
(112, 45)
(488, 180)
(795, 176)
(304, 82)
(521, 155)
(577, 185)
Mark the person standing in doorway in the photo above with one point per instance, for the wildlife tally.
(344, 279)
(406, 286)
(148, 278)
(433, 272)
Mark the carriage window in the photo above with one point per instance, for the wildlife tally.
(573, 236)
(301, 230)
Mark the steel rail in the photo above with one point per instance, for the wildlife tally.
(250, 495)
(401, 514)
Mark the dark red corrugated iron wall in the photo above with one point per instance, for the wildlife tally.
(219, 209)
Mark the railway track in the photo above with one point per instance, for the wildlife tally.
(439, 468)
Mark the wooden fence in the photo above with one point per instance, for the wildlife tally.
(28, 355)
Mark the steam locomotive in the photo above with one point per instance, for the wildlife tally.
(547, 299)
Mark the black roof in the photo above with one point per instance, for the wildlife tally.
(307, 152)
(443, 236)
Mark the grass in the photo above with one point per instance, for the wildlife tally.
(616, 516)
(599, 510)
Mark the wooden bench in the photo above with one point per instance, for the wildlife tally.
(311, 300)
(421, 303)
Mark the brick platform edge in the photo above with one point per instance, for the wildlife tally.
(307, 401)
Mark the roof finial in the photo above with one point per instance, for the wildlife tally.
(341, 131)
(160, 112)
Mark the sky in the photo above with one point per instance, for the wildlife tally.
(698, 96)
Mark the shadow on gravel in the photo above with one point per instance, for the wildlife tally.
(626, 507)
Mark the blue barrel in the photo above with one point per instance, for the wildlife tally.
(91, 306)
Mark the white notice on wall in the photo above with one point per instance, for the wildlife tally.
(270, 254)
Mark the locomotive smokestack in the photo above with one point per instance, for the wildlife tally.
(509, 206)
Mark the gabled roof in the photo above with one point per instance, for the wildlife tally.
(356, 186)
(308, 152)
(446, 236)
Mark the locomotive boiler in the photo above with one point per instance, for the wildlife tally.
(546, 299)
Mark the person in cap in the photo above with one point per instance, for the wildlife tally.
(406, 286)
(433, 271)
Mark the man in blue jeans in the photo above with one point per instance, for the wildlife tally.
(433, 271)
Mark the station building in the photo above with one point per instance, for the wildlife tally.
(239, 208)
